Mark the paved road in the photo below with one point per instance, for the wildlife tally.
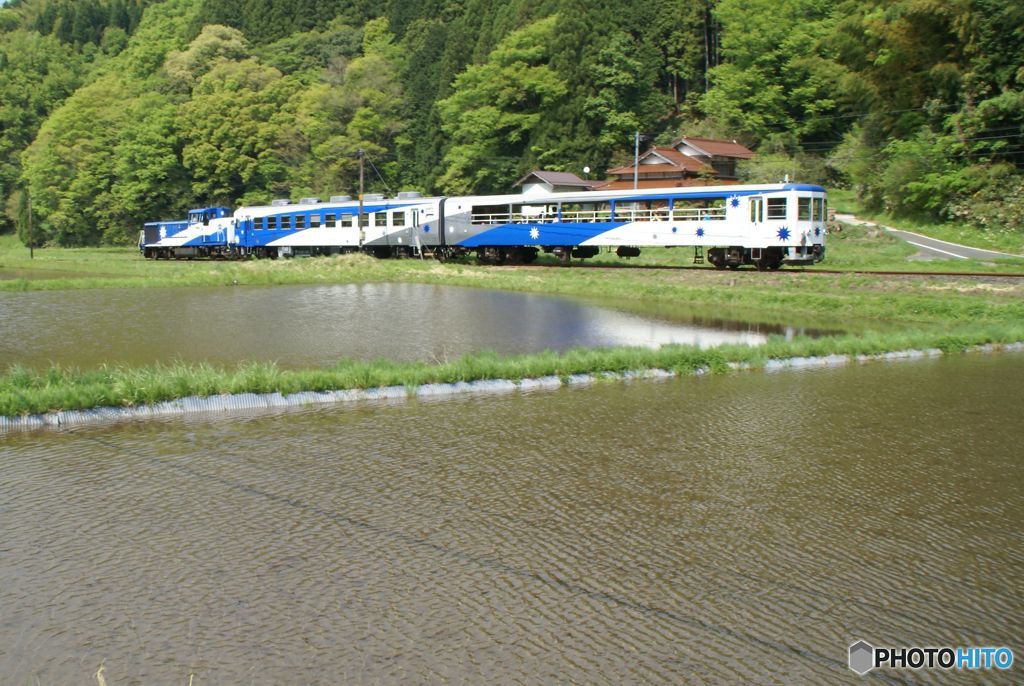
(931, 248)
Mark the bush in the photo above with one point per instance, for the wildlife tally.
(998, 206)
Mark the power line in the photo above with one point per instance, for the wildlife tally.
(1005, 136)
(379, 176)
(854, 115)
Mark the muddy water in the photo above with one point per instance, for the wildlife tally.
(743, 529)
(301, 326)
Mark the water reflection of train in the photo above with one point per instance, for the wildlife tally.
(762, 225)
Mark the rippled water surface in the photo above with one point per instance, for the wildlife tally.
(302, 326)
(742, 529)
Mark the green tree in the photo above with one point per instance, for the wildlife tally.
(494, 108)
(69, 168)
(105, 159)
(312, 52)
(149, 180)
(230, 130)
(362, 111)
(772, 79)
(622, 99)
(214, 44)
(36, 74)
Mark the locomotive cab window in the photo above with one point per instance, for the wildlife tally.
(776, 208)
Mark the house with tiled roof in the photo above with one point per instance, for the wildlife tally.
(552, 182)
(689, 161)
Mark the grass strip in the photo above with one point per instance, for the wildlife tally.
(25, 391)
(853, 249)
(994, 238)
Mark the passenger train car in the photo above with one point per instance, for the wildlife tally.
(762, 225)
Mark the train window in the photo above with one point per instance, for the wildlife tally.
(300, 221)
(380, 219)
(398, 218)
(271, 222)
(330, 220)
(364, 220)
(803, 209)
(824, 210)
(314, 221)
(776, 208)
(756, 210)
(286, 222)
(819, 209)
(347, 220)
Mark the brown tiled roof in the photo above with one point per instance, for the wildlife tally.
(676, 161)
(717, 148)
(656, 169)
(627, 184)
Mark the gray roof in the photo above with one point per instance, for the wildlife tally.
(556, 179)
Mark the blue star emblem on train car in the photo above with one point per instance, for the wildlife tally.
(734, 201)
(700, 232)
(783, 233)
(426, 229)
(817, 230)
(535, 233)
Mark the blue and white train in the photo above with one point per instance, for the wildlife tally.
(761, 225)
(203, 234)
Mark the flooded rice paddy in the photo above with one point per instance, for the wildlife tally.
(737, 529)
(303, 326)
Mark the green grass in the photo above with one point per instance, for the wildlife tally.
(784, 296)
(26, 391)
(878, 313)
(1003, 241)
(853, 249)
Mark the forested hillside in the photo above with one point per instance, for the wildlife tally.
(113, 112)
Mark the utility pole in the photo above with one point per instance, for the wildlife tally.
(31, 238)
(707, 48)
(636, 159)
(359, 217)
